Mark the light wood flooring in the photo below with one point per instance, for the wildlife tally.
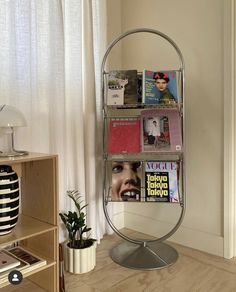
(194, 271)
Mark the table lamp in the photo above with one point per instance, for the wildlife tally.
(11, 117)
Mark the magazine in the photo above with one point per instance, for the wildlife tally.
(161, 130)
(122, 87)
(124, 135)
(161, 87)
(125, 181)
(161, 181)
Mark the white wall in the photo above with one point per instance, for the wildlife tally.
(197, 28)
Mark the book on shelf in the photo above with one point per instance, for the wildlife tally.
(161, 181)
(161, 87)
(123, 87)
(7, 261)
(161, 130)
(125, 181)
(33, 261)
(124, 135)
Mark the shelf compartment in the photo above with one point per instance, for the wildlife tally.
(40, 241)
(26, 227)
(39, 181)
(38, 173)
(42, 244)
(40, 277)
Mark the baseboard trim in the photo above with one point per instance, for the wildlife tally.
(203, 241)
(118, 220)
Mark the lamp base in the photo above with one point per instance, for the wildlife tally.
(13, 153)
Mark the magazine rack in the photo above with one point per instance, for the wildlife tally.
(145, 254)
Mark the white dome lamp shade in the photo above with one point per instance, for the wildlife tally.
(11, 117)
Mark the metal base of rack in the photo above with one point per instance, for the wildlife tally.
(150, 256)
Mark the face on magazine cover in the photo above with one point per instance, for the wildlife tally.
(161, 84)
(126, 180)
(161, 80)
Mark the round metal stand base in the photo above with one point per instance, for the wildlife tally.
(155, 255)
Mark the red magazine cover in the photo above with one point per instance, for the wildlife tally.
(161, 131)
(124, 135)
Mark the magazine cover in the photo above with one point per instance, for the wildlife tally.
(125, 181)
(124, 135)
(161, 181)
(122, 87)
(160, 87)
(161, 130)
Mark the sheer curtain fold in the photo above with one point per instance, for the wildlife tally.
(50, 69)
(94, 19)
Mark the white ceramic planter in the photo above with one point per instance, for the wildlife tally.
(79, 261)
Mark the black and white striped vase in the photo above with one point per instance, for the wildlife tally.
(9, 199)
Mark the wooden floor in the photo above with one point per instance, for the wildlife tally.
(194, 271)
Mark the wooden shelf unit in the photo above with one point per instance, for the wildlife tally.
(37, 226)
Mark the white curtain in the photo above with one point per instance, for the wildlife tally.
(50, 58)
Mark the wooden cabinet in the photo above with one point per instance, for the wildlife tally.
(37, 226)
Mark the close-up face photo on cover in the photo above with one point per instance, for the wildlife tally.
(126, 181)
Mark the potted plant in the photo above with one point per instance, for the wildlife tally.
(80, 249)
